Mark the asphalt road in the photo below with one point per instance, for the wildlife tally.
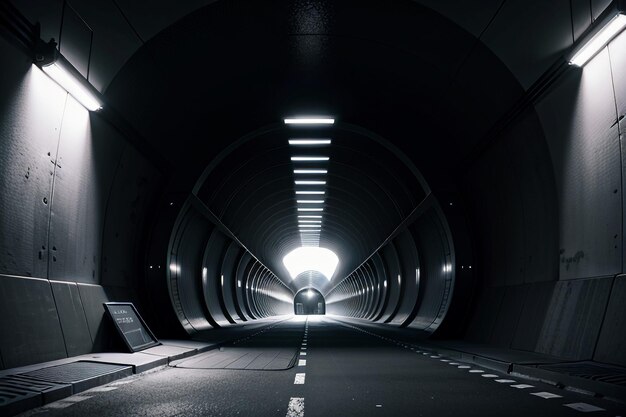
(340, 370)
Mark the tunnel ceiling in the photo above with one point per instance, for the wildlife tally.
(393, 70)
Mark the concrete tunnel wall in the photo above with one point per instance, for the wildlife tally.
(543, 203)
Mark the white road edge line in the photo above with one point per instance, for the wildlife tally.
(583, 407)
(546, 395)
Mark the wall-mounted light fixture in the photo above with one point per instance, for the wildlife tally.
(610, 24)
(48, 58)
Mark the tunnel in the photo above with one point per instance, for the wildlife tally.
(393, 205)
(309, 301)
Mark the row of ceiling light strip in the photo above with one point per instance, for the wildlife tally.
(309, 224)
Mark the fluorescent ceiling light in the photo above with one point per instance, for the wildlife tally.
(310, 217)
(309, 121)
(311, 192)
(309, 221)
(310, 209)
(73, 86)
(310, 171)
(599, 40)
(301, 182)
(310, 201)
(313, 226)
(306, 142)
(310, 158)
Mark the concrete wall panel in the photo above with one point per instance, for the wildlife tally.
(532, 316)
(30, 330)
(130, 205)
(485, 315)
(72, 317)
(611, 346)
(573, 320)
(89, 152)
(578, 119)
(509, 314)
(31, 110)
(92, 297)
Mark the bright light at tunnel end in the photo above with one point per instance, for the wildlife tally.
(308, 258)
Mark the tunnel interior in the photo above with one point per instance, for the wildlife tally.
(309, 301)
(470, 184)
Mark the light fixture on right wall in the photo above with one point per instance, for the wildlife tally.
(610, 24)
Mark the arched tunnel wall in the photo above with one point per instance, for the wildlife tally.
(554, 180)
(543, 203)
(75, 198)
(408, 282)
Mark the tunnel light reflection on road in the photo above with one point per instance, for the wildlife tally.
(305, 259)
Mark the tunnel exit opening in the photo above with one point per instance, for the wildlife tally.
(309, 301)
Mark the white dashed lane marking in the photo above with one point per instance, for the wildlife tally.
(302, 353)
(299, 379)
(522, 386)
(302, 362)
(295, 407)
(546, 395)
(584, 407)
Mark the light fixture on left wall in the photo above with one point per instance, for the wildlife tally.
(48, 58)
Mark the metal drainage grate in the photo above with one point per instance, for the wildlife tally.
(73, 372)
(587, 370)
(19, 394)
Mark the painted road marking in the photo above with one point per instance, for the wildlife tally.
(444, 360)
(299, 379)
(506, 381)
(584, 407)
(103, 389)
(295, 407)
(489, 375)
(302, 353)
(454, 363)
(302, 362)
(464, 367)
(476, 371)
(66, 402)
(546, 395)
(522, 386)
